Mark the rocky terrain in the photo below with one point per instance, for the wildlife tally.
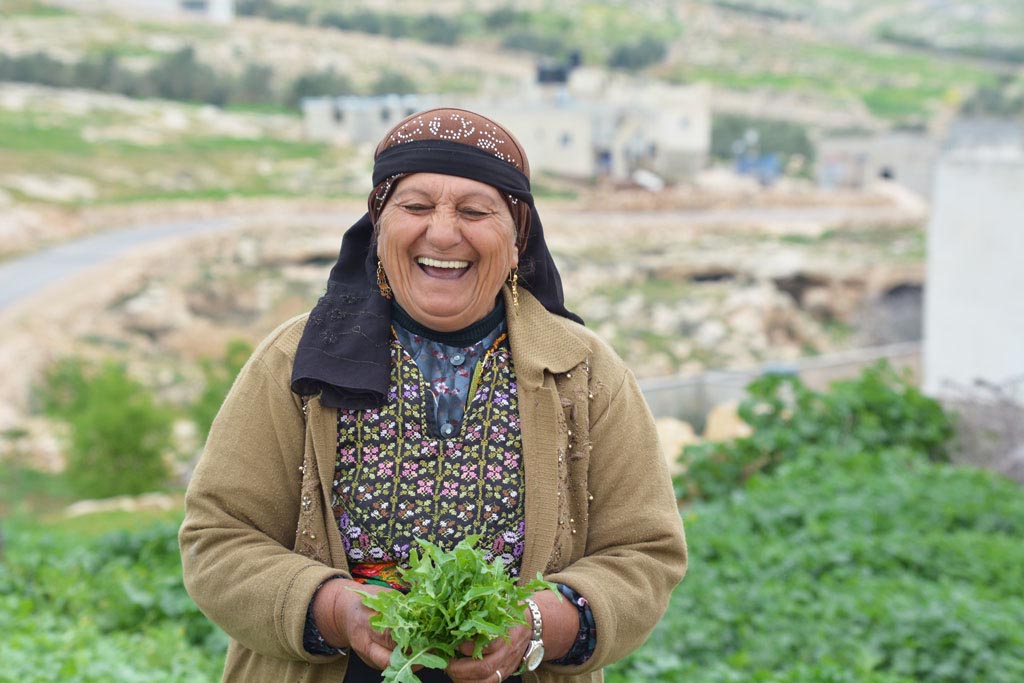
(677, 284)
(716, 273)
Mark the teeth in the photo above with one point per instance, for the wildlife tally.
(434, 263)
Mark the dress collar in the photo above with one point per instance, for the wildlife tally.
(467, 336)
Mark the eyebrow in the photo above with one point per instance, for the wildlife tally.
(472, 194)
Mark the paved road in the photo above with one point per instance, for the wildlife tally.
(25, 276)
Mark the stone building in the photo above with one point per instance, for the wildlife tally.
(217, 11)
(585, 127)
(855, 162)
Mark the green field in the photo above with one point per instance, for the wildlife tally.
(97, 150)
(857, 556)
(901, 62)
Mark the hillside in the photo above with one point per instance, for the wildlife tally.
(856, 64)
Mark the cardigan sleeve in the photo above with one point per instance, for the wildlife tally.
(635, 549)
(241, 514)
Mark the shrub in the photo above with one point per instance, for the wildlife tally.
(532, 40)
(848, 566)
(84, 610)
(878, 410)
(327, 83)
(393, 82)
(637, 55)
(180, 76)
(37, 67)
(784, 138)
(219, 375)
(118, 433)
(254, 86)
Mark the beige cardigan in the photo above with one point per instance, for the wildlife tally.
(259, 534)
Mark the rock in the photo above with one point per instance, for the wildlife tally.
(747, 322)
(147, 501)
(53, 187)
(665, 320)
(156, 310)
(710, 333)
(673, 435)
(724, 423)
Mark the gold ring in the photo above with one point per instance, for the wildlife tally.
(497, 672)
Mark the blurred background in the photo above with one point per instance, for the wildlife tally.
(798, 222)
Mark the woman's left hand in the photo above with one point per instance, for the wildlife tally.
(501, 659)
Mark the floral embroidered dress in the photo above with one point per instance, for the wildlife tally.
(440, 459)
(396, 480)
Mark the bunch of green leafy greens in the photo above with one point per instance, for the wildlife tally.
(454, 596)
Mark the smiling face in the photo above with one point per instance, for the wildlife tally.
(447, 244)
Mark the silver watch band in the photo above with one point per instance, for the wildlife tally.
(538, 624)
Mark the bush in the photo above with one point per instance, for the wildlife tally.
(180, 76)
(326, 83)
(91, 610)
(37, 67)
(848, 566)
(118, 433)
(784, 138)
(219, 375)
(637, 55)
(292, 14)
(537, 42)
(878, 410)
(393, 83)
(254, 86)
(847, 552)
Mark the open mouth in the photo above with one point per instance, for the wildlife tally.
(442, 269)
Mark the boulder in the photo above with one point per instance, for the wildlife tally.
(674, 435)
(724, 423)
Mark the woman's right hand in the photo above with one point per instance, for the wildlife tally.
(344, 621)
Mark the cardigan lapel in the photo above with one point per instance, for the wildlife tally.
(540, 341)
(541, 346)
(322, 435)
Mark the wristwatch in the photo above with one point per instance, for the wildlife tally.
(535, 650)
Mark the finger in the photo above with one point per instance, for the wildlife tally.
(468, 647)
(383, 639)
(480, 670)
(376, 655)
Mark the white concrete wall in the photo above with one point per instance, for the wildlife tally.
(217, 11)
(556, 139)
(974, 298)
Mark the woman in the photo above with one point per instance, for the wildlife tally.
(439, 388)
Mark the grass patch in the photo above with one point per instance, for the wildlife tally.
(187, 165)
(33, 8)
(25, 491)
(32, 133)
(893, 84)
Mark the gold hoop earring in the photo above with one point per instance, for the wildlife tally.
(514, 278)
(382, 281)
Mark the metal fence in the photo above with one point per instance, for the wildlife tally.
(691, 397)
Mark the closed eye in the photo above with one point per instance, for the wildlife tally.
(416, 208)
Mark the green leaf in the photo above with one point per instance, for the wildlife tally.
(454, 596)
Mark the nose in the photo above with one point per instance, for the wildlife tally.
(443, 231)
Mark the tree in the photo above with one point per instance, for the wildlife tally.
(118, 432)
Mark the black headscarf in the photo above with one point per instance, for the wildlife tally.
(343, 353)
